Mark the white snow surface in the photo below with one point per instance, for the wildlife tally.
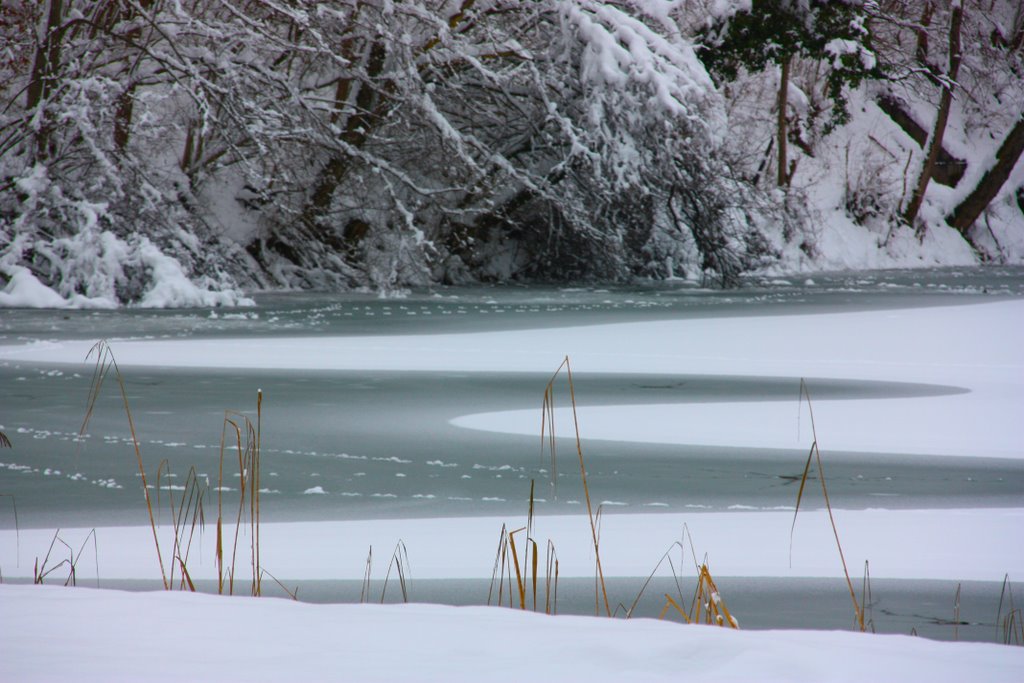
(107, 635)
(978, 349)
(24, 290)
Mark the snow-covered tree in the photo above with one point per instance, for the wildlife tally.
(757, 33)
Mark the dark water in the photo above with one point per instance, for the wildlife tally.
(380, 445)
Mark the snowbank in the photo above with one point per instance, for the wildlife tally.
(56, 634)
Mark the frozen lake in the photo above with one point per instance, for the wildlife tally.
(428, 406)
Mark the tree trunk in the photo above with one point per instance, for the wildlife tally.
(44, 67)
(123, 117)
(783, 103)
(988, 187)
(357, 130)
(921, 46)
(941, 118)
(948, 169)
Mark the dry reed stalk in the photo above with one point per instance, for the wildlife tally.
(105, 361)
(551, 562)
(519, 576)
(547, 418)
(364, 595)
(527, 570)
(708, 606)
(867, 601)
(400, 561)
(498, 572)
(815, 456)
(669, 602)
(294, 595)
(248, 452)
(188, 517)
(1012, 623)
(40, 572)
(667, 556)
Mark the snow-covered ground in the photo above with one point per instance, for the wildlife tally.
(50, 634)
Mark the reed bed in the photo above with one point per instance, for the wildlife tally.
(105, 362)
(188, 513)
(507, 559)
(519, 577)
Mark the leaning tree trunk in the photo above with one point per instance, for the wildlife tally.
(942, 117)
(964, 215)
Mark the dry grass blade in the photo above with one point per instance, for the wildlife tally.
(815, 453)
(551, 560)
(526, 568)
(707, 601)
(105, 362)
(531, 545)
(867, 601)
(547, 417)
(188, 518)
(40, 572)
(247, 448)
(364, 594)
(515, 560)
(666, 557)
(669, 602)
(293, 594)
(400, 562)
(1012, 624)
(547, 429)
(498, 573)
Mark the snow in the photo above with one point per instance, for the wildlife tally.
(220, 639)
(899, 544)
(108, 256)
(975, 351)
(24, 290)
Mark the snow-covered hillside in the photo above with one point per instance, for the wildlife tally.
(158, 154)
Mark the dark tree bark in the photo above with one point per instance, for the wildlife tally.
(941, 118)
(948, 169)
(783, 102)
(988, 187)
(43, 78)
(123, 117)
(357, 130)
